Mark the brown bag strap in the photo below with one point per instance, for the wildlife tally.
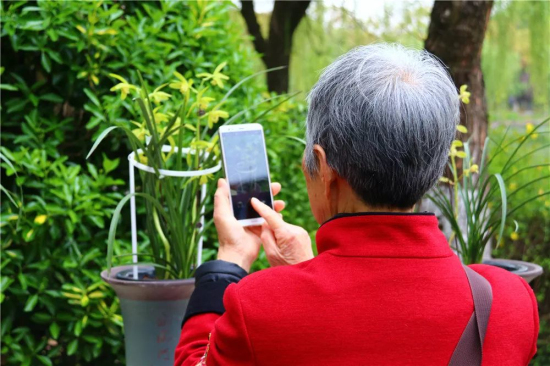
(469, 350)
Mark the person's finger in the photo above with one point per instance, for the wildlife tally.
(270, 216)
(222, 206)
(275, 188)
(268, 241)
(279, 205)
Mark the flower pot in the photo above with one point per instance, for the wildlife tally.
(152, 311)
(526, 270)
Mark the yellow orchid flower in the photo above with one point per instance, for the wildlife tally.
(160, 117)
(141, 131)
(461, 129)
(158, 96)
(214, 116)
(514, 236)
(202, 102)
(216, 77)
(183, 85)
(464, 94)
(473, 169)
(123, 86)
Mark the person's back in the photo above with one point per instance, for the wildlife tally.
(386, 288)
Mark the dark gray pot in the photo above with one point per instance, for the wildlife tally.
(152, 311)
(526, 270)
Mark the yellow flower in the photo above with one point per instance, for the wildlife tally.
(529, 127)
(514, 236)
(40, 219)
(462, 129)
(217, 77)
(183, 85)
(123, 86)
(444, 180)
(158, 96)
(464, 94)
(205, 178)
(159, 117)
(202, 102)
(141, 131)
(472, 169)
(142, 158)
(214, 116)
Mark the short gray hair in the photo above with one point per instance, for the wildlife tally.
(385, 116)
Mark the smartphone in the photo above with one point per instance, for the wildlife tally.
(246, 170)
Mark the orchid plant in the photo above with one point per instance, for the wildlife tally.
(481, 192)
(174, 207)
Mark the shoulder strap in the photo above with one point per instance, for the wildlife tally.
(469, 350)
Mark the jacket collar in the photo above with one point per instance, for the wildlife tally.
(383, 235)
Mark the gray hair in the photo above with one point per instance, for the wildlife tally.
(385, 116)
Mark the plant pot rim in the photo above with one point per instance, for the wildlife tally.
(528, 270)
(149, 290)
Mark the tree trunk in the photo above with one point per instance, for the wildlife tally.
(456, 33)
(277, 48)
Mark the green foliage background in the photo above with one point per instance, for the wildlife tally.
(56, 60)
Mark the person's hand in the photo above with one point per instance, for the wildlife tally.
(283, 243)
(239, 245)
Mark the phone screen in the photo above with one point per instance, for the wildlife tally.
(246, 170)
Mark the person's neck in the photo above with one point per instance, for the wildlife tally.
(351, 203)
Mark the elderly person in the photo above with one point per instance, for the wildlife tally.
(385, 289)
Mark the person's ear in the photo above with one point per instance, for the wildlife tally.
(326, 173)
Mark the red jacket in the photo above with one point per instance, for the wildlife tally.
(384, 290)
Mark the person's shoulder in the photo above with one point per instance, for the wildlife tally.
(510, 287)
(514, 306)
(503, 279)
(272, 278)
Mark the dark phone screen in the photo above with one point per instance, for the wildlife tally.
(246, 171)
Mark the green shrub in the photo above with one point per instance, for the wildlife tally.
(57, 58)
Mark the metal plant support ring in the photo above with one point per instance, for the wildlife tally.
(168, 173)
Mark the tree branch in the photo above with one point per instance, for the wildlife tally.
(247, 11)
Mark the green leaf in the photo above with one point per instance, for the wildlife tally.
(54, 330)
(100, 138)
(8, 87)
(51, 97)
(72, 347)
(46, 63)
(78, 328)
(504, 208)
(31, 303)
(45, 360)
(109, 165)
(92, 97)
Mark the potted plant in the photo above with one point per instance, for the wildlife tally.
(176, 154)
(477, 204)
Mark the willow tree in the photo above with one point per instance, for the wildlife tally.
(455, 35)
(276, 48)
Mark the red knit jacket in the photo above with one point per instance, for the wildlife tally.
(384, 290)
